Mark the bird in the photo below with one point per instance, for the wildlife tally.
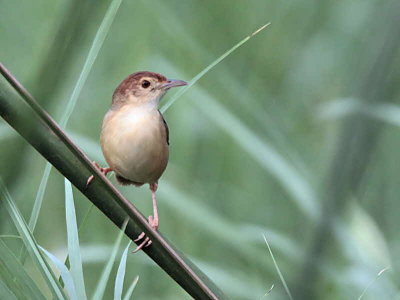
(135, 136)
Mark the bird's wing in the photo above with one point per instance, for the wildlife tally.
(166, 126)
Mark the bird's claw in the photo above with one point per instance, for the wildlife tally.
(105, 171)
(146, 242)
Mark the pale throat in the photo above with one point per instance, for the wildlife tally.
(143, 103)
(146, 102)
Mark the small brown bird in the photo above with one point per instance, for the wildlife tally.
(135, 136)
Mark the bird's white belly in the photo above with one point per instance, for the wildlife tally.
(134, 144)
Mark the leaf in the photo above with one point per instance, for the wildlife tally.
(37, 205)
(74, 252)
(209, 67)
(278, 270)
(119, 280)
(65, 274)
(131, 288)
(13, 267)
(5, 292)
(31, 244)
(93, 52)
(102, 284)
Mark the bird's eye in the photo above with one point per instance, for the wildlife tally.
(145, 84)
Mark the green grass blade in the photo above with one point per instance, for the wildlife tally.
(102, 284)
(5, 292)
(21, 279)
(37, 206)
(372, 282)
(39, 197)
(31, 244)
(9, 236)
(81, 225)
(65, 274)
(208, 68)
(278, 270)
(93, 52)
(73, 243)
(131, 288)
(119, 280)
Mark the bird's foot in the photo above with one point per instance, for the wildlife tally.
(105, 171)
(146, 240)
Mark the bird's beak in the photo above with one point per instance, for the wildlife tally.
(173, 83)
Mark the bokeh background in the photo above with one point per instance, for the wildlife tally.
(295, 136)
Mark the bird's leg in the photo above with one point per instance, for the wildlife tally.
(105, 171)
(153, 220)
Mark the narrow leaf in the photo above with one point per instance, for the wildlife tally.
(16, 269)
(119, 280)
(102, 284)
(131, 288)
(209, 67)
(5, 292)
(372, 282)
(93, 52)
(278, 270)
(73, 243)
(30, 243)
(65, 274)
(37, 205)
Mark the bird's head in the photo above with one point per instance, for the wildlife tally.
(143, 87)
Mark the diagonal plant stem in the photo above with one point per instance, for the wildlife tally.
(25, 115)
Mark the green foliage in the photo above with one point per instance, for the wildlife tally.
(291, 135)
(30, 244)
(74, 251)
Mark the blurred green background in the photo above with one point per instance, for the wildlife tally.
(295, 136)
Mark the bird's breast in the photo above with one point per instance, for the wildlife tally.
(134, 143)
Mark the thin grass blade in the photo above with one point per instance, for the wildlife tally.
(9, 236)
(31, 244)
(10, 263)
(278, 270)
(131, 288)
(65, 274)
(5, 292)
(372, 282)
(37, 206)
(73, 243)
(93, 52)
(209, 67)
(119, 280)
(102, 284)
